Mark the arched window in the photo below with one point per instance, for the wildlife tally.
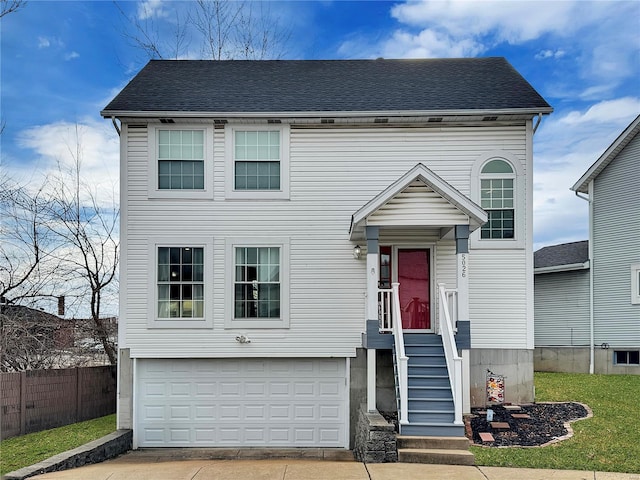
(497, 197)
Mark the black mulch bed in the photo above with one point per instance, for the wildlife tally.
(546, 424)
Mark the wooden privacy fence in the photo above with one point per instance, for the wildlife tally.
(41, 399)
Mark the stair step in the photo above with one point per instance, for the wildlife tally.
(430, 404)
(433, 416)
(446, 443)
(436, 429)
(436, 456)
(441, 392)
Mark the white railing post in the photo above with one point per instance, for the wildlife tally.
(385, 310)
(454, 361)
(401, 357)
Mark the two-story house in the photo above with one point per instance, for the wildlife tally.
(288, 225)
(587, 294)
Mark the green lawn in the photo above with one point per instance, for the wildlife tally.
(610, 441)
(18, 452)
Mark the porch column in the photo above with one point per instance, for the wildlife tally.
(464, 325)
(372, 234)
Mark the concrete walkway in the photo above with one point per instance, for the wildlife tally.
(141, 465)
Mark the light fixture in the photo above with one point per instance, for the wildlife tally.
(357, 252)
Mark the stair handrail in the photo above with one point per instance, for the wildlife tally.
(454, 361)
(401, 357)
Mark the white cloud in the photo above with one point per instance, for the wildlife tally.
(544, 54)
(565, 147)
(43, 42)
(604, 112)
(151, 9)
(428, 44)
(56, 145)
(71, 56)
(512, 21)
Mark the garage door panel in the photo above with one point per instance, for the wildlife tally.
(236, 402)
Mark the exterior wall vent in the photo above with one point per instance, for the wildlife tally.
(489, 119)
(167, 120)
(435, 120)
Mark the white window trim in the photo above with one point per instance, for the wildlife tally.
(152, 307)
(519, 194)
(231, 243)
(231, 193)
(153, 190)
(635, 284)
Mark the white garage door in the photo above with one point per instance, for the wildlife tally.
(242, 402)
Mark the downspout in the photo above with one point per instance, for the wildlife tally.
(535, 127)
(115, 125)
(591, 320)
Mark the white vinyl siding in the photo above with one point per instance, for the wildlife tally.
(417, 205)
(616, 246)
(562, 309)
(333, 173)
(498, 299)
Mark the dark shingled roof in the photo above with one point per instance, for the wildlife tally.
(563, 254)
(264, 86)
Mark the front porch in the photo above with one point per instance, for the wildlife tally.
(410, 310)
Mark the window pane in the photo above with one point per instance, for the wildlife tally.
(256, 288)
(497, 166)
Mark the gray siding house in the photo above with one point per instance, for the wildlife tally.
(588, 314)
(287, 225)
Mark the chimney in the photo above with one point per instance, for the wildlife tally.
(61, 306)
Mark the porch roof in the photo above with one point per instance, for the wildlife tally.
(419, 198)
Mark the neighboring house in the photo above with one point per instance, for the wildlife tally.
(269, 211)
(561, 286)
(588, 293)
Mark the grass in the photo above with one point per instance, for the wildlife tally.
(608, 442)
(18, 452)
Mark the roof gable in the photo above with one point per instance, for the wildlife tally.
(173, 87)
(419, 198)
(582, 185)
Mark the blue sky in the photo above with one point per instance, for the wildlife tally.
(61, 62)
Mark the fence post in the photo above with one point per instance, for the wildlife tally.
(23, 402)
(78, 395)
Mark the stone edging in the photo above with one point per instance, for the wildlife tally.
(566, 425)
(104, 448)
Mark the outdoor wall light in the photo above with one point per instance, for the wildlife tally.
(357, 252)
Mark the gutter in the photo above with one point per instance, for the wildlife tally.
(562, 268)
(591, 316)
(318, 114)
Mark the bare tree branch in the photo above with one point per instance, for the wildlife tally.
(10, 6)
(220, 29)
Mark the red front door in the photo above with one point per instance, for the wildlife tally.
(413, 276)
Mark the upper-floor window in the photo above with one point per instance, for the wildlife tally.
(499, 186)
(257, 162)
(180, 161)
(635, 283)
(497, 198)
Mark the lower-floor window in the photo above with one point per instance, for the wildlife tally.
(180, 282)
(626, 357)
(257, 282)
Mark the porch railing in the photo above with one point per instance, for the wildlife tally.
(385, 310)
(446, 329)
(402, 360)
